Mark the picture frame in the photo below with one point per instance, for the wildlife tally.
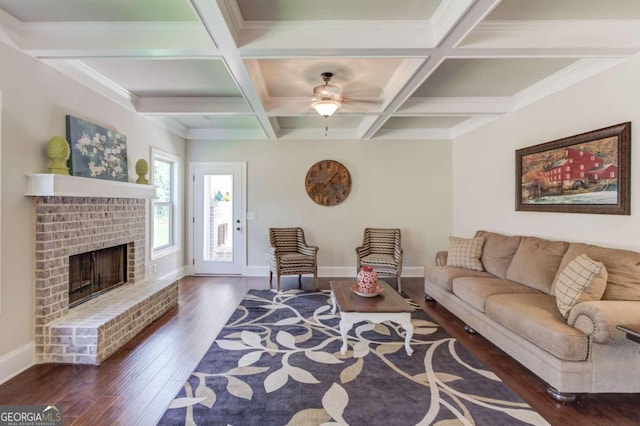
(96, 152)
(585, 173)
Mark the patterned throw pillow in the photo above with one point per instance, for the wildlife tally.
(574, 280)
(465, 253)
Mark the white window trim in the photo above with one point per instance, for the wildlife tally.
(177, 234)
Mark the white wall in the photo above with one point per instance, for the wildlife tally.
(36, 99)
(484, 162)
(405, 184)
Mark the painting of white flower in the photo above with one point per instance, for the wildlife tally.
(96, 152)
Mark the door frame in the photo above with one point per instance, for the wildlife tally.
(191, 209)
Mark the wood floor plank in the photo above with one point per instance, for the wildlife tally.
(136, 384)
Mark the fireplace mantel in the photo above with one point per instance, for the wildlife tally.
(52, 185)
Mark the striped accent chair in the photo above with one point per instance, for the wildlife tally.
(289, 254)
(381, 250)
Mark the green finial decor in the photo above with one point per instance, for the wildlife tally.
(58, 152)
(142, 167)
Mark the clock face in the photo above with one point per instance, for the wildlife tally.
(328, 183)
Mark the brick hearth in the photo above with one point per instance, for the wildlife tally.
(66, 226)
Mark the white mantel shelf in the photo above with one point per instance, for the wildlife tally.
(51, 185)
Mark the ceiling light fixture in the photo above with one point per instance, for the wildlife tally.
(326, 99)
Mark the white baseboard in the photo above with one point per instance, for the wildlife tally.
(17, 361)
(176, 274)
(256, 271)
(333, 271)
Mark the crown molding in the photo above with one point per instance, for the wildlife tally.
(192, 105)
(170, 125)
(95, 81)
(224, 134)
(575, 73)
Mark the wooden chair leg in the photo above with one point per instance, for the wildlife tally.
(270, 279)
(299, 281)
(278, 282)
(315, 280)
(399, 282)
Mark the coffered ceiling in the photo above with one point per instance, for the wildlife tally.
(245, 69)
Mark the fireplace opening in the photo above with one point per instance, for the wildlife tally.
(96, 272)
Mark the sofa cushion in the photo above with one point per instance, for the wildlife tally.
(474, 290)
(443, 276)
(623, 269)
(465, 253)
(536, 262)
(498, 251)
(535, 317)
(581, 280)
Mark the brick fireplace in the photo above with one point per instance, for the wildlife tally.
(90, 332)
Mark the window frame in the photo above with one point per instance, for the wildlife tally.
(173, 204)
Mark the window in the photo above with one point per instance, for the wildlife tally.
(593, 158)
(581, 166)
(165, 228)
(597, 164)
(612, 174)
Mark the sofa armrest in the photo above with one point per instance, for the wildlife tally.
(599, 319)
(441, 258)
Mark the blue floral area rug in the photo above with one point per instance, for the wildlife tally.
(278, 362)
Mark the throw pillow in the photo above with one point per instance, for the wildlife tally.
(465, 253)
(574, 284)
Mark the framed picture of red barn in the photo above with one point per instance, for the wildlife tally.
(585, 173)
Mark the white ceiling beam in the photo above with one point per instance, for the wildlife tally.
(456, 106)
(283, 107)
(266, 35)
(544, 52)
(526, 34)
(314, 51)
(224, 134)
(192, 106)
(116, 39)
(470, 20)
(318, 133)
(447, 16)
(213, 18)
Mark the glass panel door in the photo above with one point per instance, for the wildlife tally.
(218, 226)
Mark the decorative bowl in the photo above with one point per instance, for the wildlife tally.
(357, 290)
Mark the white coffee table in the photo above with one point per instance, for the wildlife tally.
(388, 306)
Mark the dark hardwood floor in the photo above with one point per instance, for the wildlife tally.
(135, 385)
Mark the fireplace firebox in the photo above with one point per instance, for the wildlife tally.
(96, 272)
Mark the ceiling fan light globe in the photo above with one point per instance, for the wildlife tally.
(326, 108)
(327, 91)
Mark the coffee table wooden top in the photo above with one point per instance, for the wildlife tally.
(388, 301)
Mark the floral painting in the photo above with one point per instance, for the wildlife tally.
(96, 152)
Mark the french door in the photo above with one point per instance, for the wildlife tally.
(219, 239)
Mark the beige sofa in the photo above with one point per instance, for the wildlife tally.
(512, 304)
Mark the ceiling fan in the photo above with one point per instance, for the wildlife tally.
(327, 98)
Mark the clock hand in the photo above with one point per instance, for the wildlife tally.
(329, 181)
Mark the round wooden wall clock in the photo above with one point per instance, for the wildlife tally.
(328, 183)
